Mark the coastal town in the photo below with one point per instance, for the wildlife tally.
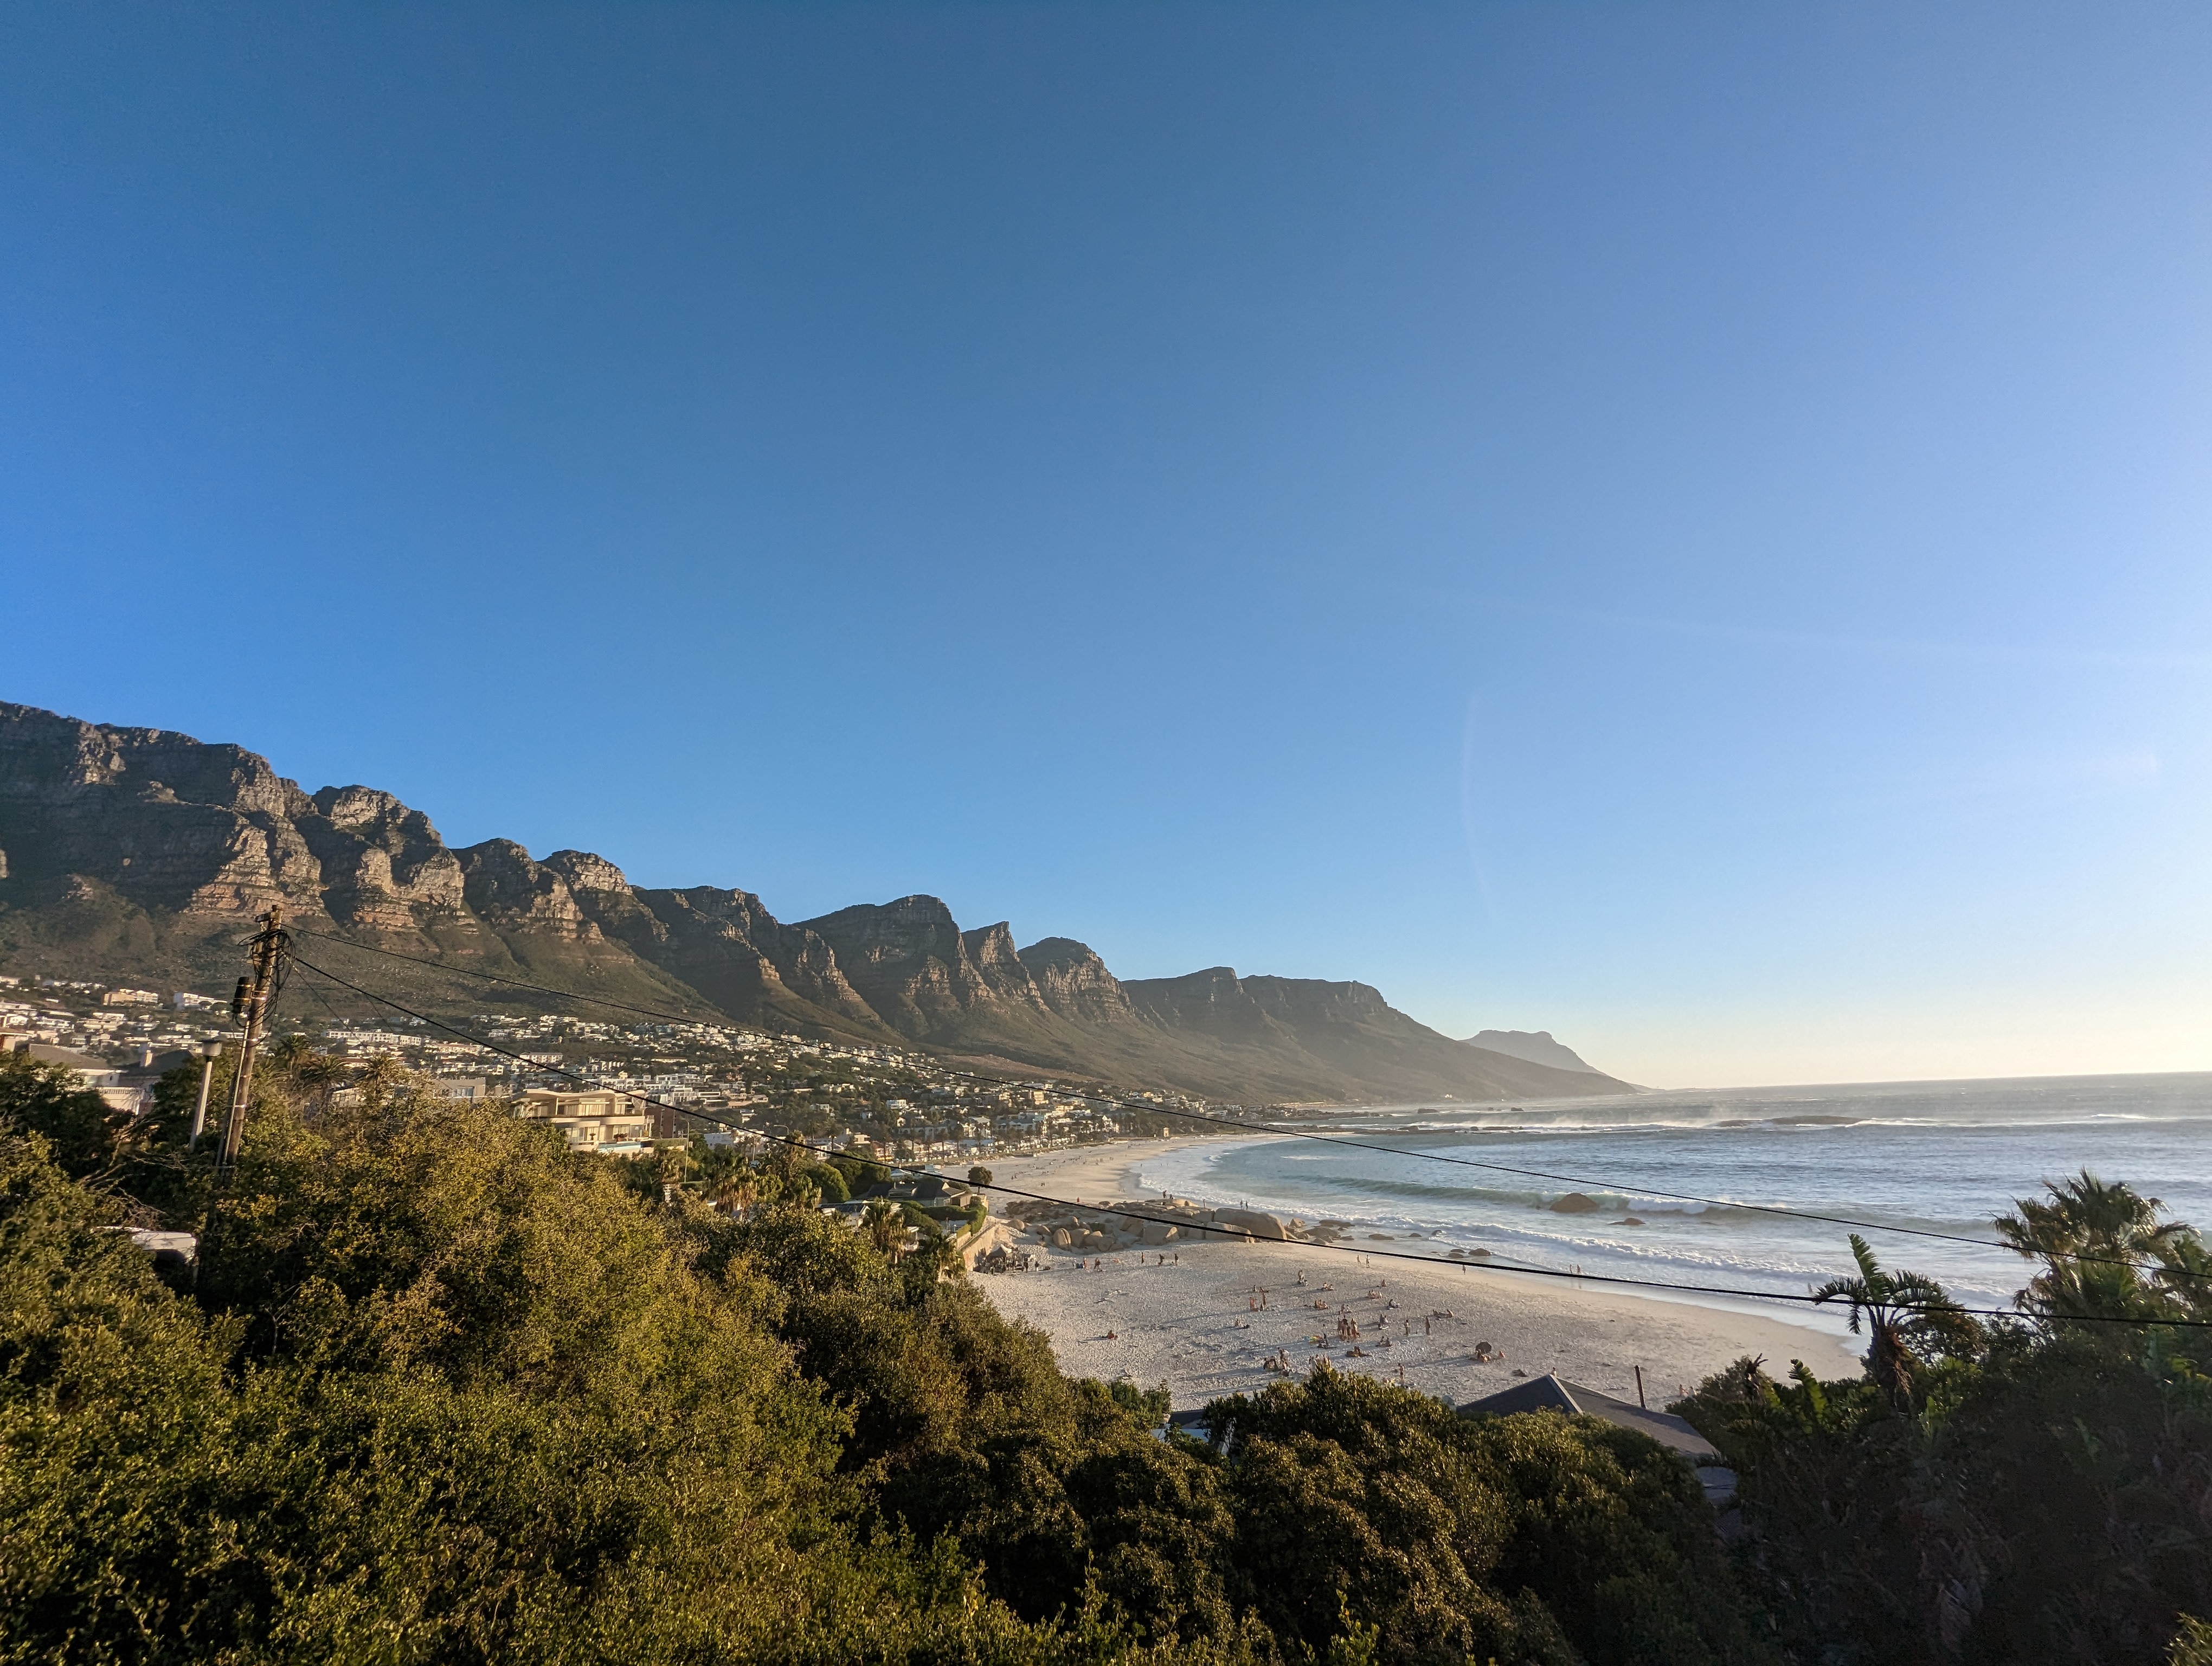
(613, 1088)
(648, 1090)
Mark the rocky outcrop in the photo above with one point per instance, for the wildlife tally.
(508, 890)
(921, 974)
(163, 820)
(384, 866)
(141, 851)
(1073, 982)
(728, 946)
(583, 874)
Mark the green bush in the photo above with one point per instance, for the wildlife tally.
(446, 1391)
(454, 1396)
(1529, 1538)
(2034, 1490)
(82, 1133)
(860, 1174)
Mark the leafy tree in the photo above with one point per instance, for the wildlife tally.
(1151, 1405)
(2041, 1499)
(933, 1256)
(737, 1192)
(979, 1175)
(459, 1395)
(860, 1173)
(45, 1099)
(1529, 1538)
(446, 1390)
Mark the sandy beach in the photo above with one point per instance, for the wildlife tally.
(1197, 1323)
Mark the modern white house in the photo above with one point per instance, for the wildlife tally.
(591, 1120)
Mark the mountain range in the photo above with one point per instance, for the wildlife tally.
(143, 853)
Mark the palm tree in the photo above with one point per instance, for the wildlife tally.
(316, 1075)
(885, 1223)
(2105, 1251)
(934, 1255)
(1900, 1309)
(674, 1166)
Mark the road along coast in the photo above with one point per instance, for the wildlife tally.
(1225, 1316)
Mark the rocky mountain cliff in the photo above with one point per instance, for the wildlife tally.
(142, 853)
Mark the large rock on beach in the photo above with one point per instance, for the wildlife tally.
(1252, 1222)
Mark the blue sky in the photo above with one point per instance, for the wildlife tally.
(1683, 525)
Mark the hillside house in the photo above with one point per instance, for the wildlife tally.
(1552, 1393)
(590, 1120)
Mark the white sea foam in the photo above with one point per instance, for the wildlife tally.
(1942, 1157)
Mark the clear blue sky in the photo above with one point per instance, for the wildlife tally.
(1683, 525)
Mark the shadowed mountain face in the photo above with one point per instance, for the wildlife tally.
(1535, 1045)
(144, 854)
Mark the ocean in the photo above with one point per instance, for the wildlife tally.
(1941, 1156)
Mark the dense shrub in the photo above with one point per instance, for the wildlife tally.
(2042, 1491)
(446, 1391)
(1535, 1537)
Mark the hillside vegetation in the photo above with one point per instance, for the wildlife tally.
(444, 1391)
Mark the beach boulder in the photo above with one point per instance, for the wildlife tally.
(1574, 1203)
(1158, 1232)
(1250, 1222)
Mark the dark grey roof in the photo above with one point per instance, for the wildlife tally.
(1550, 1393)
(68, 1058)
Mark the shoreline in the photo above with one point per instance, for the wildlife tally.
(1196, 1322)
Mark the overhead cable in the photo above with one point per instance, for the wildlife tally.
(1130, 1213)
(1148, 1107)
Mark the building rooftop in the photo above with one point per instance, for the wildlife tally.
(1551, 1393)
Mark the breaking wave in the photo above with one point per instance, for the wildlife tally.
(1684, 1188)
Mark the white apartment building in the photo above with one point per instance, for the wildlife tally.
(591, 1120)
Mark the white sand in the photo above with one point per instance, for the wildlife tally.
(1192, 1324)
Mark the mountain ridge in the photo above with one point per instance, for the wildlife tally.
(1536, 1046)
(144, 851)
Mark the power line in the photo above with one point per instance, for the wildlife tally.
(1125, 1212)
(1347, 1143)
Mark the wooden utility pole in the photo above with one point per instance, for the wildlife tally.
(251, 1008)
